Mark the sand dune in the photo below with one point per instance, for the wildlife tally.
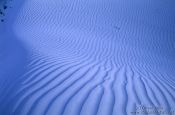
(93, 57)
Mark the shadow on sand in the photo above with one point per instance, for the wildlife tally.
(13, 58)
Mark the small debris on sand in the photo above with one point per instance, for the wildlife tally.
(5, 7)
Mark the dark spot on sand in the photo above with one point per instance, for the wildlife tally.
(1, 13)
(117, 28)
(5, 7)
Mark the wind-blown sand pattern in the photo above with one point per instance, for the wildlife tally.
(87, 57)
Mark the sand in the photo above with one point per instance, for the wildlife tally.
(87, 57)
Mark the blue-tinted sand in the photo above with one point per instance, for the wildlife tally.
(87, 57)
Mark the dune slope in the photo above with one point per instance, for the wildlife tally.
(88, 57)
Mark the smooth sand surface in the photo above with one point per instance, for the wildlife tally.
(87, 57)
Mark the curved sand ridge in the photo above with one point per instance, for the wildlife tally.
(102, 57)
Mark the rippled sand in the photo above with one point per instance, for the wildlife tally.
(87, 57)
